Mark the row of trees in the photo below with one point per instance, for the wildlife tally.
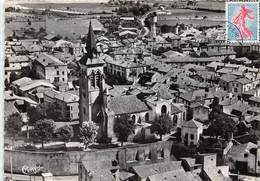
(44, 130)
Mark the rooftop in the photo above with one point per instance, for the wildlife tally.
(62, 96)
(126, 105)
(48, 60)
(228, 78)
(145, 171)
(192, 124)
(18, 59)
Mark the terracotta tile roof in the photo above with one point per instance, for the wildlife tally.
(62, 96)
(18, 59)
(192, 124)
(48, 60)
(228, 78)
(254, 99)
(244, 81)
(21, 81)
(126, 105)
(144, 171)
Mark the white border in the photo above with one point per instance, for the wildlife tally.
(258, 21)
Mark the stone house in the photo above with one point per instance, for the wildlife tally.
(190, 132)
(52, 69)
(68, 103)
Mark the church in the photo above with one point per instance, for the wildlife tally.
(97, 105)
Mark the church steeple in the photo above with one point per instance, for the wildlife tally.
(91, 43)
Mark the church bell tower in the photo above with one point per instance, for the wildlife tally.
(91, 81)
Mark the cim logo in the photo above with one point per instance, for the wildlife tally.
(32, 169)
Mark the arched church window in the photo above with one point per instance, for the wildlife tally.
(92, 78)
(164, 109)
(98, 78)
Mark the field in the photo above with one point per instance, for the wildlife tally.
(72, 28)
(82, 7)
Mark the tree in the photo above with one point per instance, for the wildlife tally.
(43, 130)
(13, 125)
(215, 109)
(65, 133)
(123, 127)
(162, 125)
(13, 77)
(88, 133)
(53, 111)
(35, 114)
(222, 126)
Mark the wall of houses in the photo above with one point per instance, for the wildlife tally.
(66, 163)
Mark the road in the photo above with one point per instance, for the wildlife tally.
(17, 177)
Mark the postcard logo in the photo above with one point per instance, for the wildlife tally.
(242, 21)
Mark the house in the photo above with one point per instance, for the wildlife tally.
(172, 54)
(210, 170)
(192, 96)
(184, 60)
(97, 171)
(173, 38)
(224, 81)
(127, 34)
(51, 37)
(178, 112)
(244, 158)
(191, 132)
(50, 68)
(68, 103)
(221, 54)
(125, 70)
(254, 101)
(8, 70)
(20, 60)
(149, 171)
(241, 85)
(31, 88)
(200, 111)
(19, 50)
(33, 48)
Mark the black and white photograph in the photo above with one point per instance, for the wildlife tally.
(131, 90)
